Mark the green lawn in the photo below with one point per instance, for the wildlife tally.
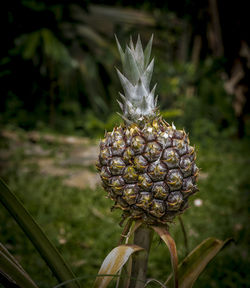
(80, 224)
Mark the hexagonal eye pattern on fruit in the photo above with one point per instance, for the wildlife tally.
(149, 132)
(187, 187)
(179, 134)
(156, 124)
(186, 166)
(157, 208)
(190, 152)
(105, 174)
(127, 137)
(168, 217)
(180, 145)
(116, 166)
(122, 203)
(144, 200)
(164, 139)
(130, 193)
(111, 194)
(117, 134)
(157, 171)
(174, 179)
(152, 151)
(174, 201)
(104, 155)
(138, 144)
(184, 206)
(170, 132)
(128, 154)
(116, 184)
(133, 130)
(195, 170)
(145, 182)
(136, 211)
(160, 190)
(106, 141)
(130, 175)
(118, 147)
(170, 157)
(140, 163)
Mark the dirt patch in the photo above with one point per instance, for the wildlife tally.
(65, 156)
(83, 180)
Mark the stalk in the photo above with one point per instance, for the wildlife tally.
(143, 238)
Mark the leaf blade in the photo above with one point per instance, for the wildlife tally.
(33, 231)
(166, 237)
(114, 262)
(147, 51)
(193, 265)
(9, 268)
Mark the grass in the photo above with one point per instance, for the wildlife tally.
(80, 224)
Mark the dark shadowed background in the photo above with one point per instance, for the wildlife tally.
(58, 91)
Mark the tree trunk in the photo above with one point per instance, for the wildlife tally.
(216, 42)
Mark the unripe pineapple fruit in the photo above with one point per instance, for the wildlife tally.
(146, 165)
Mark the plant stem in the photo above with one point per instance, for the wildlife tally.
(143, 238)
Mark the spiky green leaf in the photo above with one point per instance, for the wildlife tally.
(147, 74)
(130, 68)
(147, 51)
(139, 102)
(139, 55)
(122, 55)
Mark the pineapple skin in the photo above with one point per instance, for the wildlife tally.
(148, 170)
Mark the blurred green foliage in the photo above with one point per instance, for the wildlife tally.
(57, 69)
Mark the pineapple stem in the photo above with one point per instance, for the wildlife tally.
(143, 238)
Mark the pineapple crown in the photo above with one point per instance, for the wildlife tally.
(138, 101)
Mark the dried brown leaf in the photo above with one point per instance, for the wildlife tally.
(113, 263)
(166, 237)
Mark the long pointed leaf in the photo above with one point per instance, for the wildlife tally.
(166, 237)
(122, 54)
(14, 272)
(125, 272)
(196, 261)
(124, 278)
(46, 249)
(113, 263)
(139, 55)
(7, 253)
(130, 68)
(147, 51)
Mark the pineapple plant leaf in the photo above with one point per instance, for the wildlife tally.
(196, 261)
(12, 273)
(47, 250)
(113, 263)
(169, 241)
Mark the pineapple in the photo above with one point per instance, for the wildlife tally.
(146, 165)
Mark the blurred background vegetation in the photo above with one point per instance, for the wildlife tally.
(57, 76)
